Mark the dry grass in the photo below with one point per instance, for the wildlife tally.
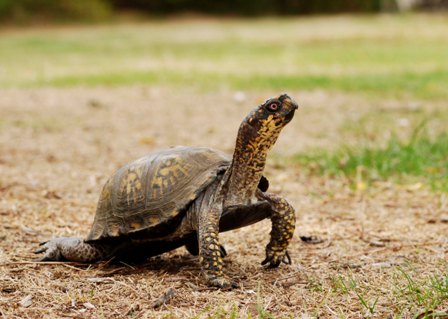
(384, 250)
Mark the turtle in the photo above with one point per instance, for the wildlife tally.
(186, 196)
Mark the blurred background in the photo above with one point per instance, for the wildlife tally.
(375, 68)
(372, 73)
(25, 11)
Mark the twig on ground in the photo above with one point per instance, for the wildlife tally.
(167, 296)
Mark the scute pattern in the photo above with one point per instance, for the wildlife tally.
(154, 189)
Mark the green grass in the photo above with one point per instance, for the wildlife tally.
(350, 285)
(421, 85)
(419, 159)
(398, 56)
(426, 294)
(421, 294)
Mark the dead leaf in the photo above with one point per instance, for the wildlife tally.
(147, 140)
(444, 219)
(311, 240)
(51, 194)
(29, 231)
(376, 243)
(100, 279)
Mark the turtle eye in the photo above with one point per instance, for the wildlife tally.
(273, 107)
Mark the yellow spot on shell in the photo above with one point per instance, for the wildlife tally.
(153, 220)
(135, 225)
(114, 230)
(164, 171)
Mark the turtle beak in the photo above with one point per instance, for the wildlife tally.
(290, 115)
(290, 105)
(288, 102)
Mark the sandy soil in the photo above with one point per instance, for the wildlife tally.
(57, 147)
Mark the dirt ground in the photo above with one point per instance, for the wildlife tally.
(57, 148)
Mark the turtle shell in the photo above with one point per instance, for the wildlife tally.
(147, 195)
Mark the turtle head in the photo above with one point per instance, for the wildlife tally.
(275, 113)
(264, 123)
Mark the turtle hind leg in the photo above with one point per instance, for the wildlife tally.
(71, 249)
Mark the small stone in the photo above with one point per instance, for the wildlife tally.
(376, 243)
(27, 301)
(88, 305)
(384, 264)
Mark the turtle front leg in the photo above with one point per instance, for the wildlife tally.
(209, 249)
(193, 248)
(283, 220)
(70, 249)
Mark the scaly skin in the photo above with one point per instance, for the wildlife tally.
(256, 136)
(209, 249)
(283, 224)
(71, 248)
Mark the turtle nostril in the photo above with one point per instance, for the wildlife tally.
(283, 97)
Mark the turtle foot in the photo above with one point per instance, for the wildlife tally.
(68, 249)
(275, 258)
(222, 283)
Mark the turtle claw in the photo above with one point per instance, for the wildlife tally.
(222, 251)
(51, 250)
(274, 259)
(287, 259)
